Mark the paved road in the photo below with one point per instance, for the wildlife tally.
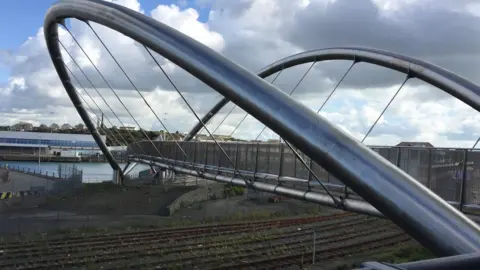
(25, 182)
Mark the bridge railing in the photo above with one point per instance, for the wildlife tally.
(440, 169)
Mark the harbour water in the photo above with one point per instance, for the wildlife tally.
(92, 172)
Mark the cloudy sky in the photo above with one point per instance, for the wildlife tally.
(255, 33)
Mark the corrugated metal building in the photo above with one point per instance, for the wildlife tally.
(14, 142)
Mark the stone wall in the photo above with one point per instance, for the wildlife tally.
(213, 191)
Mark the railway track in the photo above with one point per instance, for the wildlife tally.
(45, 250)
(303, 257)
(206, 247)
(196, 230)
(237, 254)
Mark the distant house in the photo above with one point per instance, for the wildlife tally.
(208, 138)
(22, 126)
(65, 127)
(127, 128)
(54, 127)
(415, 144)
(80, 127)
(202, 138)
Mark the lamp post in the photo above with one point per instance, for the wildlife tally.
(75, 151)
(39, 151)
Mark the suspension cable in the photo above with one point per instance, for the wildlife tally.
(336, 86)
(141, 95)
(235, 105)
(337, 202)
(84, 101)
(475, 144)
(297, 155)
(98, 92)
(105, 129)
(113, 91)
(223, 120)
(247, 182)
(291, 93)
(245, 116)
(386, 107)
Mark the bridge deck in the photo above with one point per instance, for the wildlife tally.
(439, 169)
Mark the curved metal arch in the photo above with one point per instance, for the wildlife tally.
(398, 196)
(445, 80)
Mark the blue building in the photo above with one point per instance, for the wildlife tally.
(32, 143)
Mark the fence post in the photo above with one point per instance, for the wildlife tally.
(206, 156)
(195, 153)
(295, 162)
(220, 158)
(175, 154)
(280, 167)
(268, 157)
(399, 156)
(256, 161)
(237, 153)
(310, 174)
(246, 157)
(463, 184)
(429, 168)
(187, 144)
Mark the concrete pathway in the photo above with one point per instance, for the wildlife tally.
(26, 182)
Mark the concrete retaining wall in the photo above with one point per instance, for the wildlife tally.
(198, 195)
(140, 181)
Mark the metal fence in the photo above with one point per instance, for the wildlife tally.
(454, 174)
(64, 179)
(64, 171)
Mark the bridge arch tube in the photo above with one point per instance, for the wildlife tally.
(425, 216)
(445, 80)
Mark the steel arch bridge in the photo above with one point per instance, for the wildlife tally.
(386, 190)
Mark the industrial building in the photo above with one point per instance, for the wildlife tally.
(45, 144)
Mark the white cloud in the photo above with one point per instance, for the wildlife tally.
(255, 33)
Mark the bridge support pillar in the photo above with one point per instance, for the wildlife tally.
(162, 174)
(117, 177)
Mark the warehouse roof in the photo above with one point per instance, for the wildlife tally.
(48, 136)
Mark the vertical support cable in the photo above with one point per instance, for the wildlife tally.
(386, 107)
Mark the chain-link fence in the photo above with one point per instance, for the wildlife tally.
(63, 171)
(454, 174)
(26, 187)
